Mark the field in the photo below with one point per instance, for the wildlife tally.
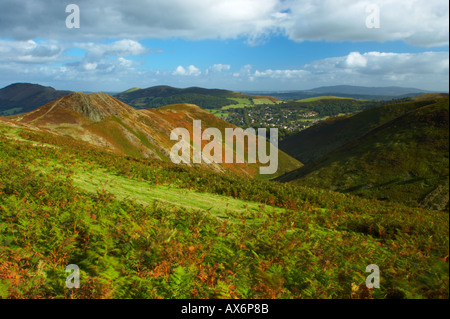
(223, 112)
(149, 229)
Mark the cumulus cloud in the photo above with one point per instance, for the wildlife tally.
(281, 74)
(190, 70)
(29, 51)
(355, 59)
(123, 47)
(369, 68)
(418, 22)
(220, 67)
(386, 63)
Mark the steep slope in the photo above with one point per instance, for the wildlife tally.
(24, 97)
(104, 121)
(404, 160)
(332, 133)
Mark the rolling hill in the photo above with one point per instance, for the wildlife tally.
(158, 96)
(349, 91)
(24, 97)
(334, 132)
(104, 121)
(396, 152)
(363, 90)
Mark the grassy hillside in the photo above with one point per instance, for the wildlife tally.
(142, 228)
(403, 158)
(318, 140)
(158, 96)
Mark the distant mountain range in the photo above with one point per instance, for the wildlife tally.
(24, 97)
(349, 91)
(396, 152)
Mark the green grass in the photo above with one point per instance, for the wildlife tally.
(145, 193)
(95, 179)
(242, 101)
(262, 101)
(219, 113)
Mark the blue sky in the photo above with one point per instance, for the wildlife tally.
(232, 44)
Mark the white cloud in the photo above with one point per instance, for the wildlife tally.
(428, 70)
(419, 22)
(355, 59)
(281, 74)
(29, 51)
(89, 66)
(124, 62)
(244, 71)
(123, 47)
(220, 67)
(191, 70)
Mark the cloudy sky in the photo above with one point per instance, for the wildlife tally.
(231, 44)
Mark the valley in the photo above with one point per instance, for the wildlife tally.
(94, 174)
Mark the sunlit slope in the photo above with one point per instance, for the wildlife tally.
(104, 121)
(145, 228)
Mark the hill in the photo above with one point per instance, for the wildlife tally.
(316, 141)
(319, 98)
(349, 91)
(396, 152)
(24, 97)
(165, 95)
(104, 121)
(144, 228)
(363, 90)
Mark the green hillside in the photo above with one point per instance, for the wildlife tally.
(158, 96)
(142, 228)
(328, 135)
(398, 153)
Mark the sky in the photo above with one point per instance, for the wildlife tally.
(241, 45)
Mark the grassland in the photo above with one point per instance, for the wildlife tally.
(149, 229)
